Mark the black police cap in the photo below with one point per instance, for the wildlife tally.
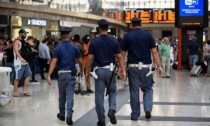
(103, 22)
(135, 19)
(65, 31)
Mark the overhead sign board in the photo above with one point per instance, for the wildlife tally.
(34, 22)
(151, 16)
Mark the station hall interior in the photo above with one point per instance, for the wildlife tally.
(180, 99)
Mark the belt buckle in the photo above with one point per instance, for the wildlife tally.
(140, 65)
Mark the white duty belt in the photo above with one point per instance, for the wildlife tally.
(64, 71)
(111, 67)
(141, 65)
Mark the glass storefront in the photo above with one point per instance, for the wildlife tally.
(39, 28)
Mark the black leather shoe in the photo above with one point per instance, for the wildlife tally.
(148, 115)
(134, 119)
(62, 118)
(112, 117)
(69, 121)
(101, 123)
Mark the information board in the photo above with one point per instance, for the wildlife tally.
(151, 16)
(191, 13)
(191, 7)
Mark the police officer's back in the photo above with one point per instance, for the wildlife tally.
(103, 50)
(64, 58)
(140, 44)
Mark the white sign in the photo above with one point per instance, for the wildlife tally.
(37, 22)
(191, 2)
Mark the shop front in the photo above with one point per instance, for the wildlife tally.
(4, 24)
(35, 27)
(39, 28)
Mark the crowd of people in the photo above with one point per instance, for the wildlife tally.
(168, 54)
(72, 58)
(27, 56)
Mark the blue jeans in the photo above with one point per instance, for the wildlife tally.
(193, 59)
(12, 73)
(135, 77)
(104, 76)
(66, 85)
(32, 65)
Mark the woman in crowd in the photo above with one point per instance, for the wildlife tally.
(207, 56)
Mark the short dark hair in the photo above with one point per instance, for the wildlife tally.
(136, 23)
(208, 42)
(76, 38)
(104, 27)
(30, 37)
(45, 40)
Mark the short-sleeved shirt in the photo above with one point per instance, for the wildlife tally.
(66, 54)
(165, 50)
(138, 44)
(104, 49)
(173, 44)
(193, 48)
(207, 48)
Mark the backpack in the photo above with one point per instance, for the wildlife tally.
(25, 51)
(81, 49)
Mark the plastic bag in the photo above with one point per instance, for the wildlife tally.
(83, 83)
(1, 56)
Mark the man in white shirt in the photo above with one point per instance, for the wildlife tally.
(44, 57)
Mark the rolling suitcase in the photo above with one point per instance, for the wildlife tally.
(196, 70)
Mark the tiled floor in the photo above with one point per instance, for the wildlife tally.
(179, 101)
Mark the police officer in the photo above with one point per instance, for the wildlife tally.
(103, 50)
(65, 55)
(140, 44)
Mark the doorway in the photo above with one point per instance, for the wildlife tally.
(167, 34)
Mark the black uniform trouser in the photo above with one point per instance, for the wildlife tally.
(43, 65)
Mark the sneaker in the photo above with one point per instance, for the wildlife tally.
(77, 91)
(82, 92)
(148, 115)
(112, 117)
(100, 123)
(164, 76)
(69, 121)
(90, 91)
(62, 118)
(34, 81)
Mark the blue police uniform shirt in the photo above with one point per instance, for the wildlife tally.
(104, 49)
(138, 44)
(66, 53)
(193, 48)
